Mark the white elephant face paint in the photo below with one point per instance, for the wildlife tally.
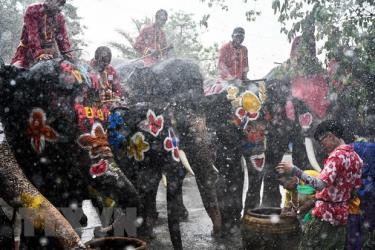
(258, 161)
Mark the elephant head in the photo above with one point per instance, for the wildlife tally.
(169, 127)
(56, 128)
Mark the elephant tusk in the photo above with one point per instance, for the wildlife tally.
(185, 162)
(164, 180)
(311, 154)
(243, 163)
(216, 170)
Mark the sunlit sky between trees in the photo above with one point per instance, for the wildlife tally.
(263, 39)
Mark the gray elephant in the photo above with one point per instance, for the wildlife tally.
(233, 111)
(55, 128)
(165, 113)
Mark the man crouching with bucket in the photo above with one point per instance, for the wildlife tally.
(340, 177)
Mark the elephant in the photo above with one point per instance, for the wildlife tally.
(164, 115)
(56, 129)
(233, 111)
(289, 121)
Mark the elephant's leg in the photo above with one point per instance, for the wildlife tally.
(230, 186)
(148, 178)
(153, 212)
(201, 154)
(114, 185)
(206, 178)
(276, 147)
(255, 178)
(174, 194)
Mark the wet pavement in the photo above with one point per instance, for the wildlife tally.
(196, 230)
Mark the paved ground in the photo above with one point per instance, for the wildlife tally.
(196, 231)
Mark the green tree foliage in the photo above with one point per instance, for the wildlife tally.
(346, 30)
(10, 27)
(183, 32)
(11, 21)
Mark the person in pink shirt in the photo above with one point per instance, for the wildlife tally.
(233, 58)
(107, 80)
(44, 34)
(335, 187)
(151, 42)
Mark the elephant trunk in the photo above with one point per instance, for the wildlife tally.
(311, 154)
(185, 162)
(18, 190)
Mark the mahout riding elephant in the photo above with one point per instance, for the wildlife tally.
(18, 192)
(233, 111)
(56, 129)
(164, 117)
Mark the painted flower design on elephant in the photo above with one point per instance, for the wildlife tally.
(115, 124)
(156, 123)
(70, 74)
(305, 120)
(99, 169)
(232, 92)
(171, 144)
(39, 131)
(96, 142)
(138, 147)
(249, 109)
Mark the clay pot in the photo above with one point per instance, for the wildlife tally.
(108, 243)
(264, 228)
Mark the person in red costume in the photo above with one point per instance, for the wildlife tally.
(108, 80)
(151, 42)
(233, 59)
(44, 34)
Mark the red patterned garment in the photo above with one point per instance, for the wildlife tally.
(150, 38)
(108, 81)
(341, 174)
(233, 62)
(40, 35)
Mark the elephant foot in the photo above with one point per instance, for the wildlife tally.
(216, 234)
(216, 220)
(183, 214)
(231, 230)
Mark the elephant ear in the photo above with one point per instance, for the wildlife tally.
(98, 131)
(86, 141)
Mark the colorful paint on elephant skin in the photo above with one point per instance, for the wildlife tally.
(99, 168)
(138, 147)
(171, 144)
(34, 202)
(156, 123)
(39, 131)
(88, 115)
(305, 120)
(115, 124)
(96, 142)
(70, 74)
